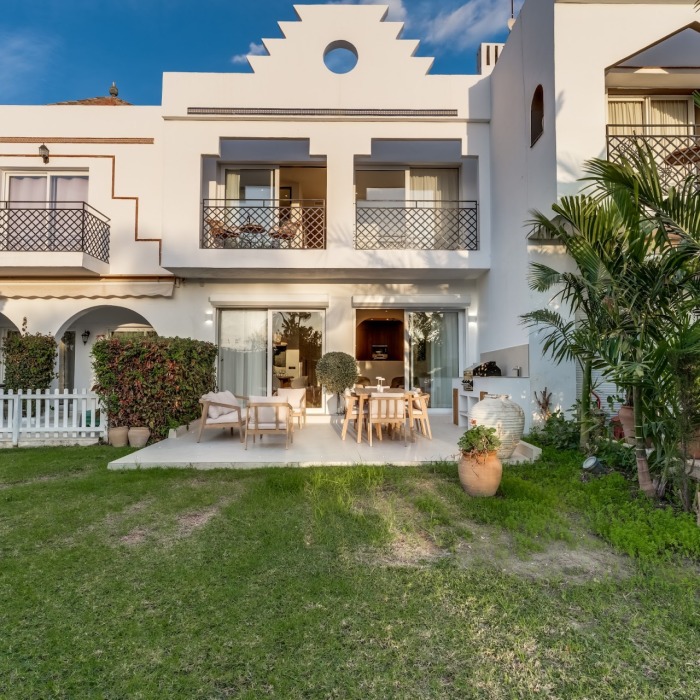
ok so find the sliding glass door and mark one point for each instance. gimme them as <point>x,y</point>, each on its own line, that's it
<point>262,350</point>
<point>433,338</point>
<point>243,351</point>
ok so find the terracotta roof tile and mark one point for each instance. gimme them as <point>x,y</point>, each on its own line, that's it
<point>107,101</point>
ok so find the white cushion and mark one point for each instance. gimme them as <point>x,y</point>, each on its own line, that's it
<point>232,417</point>
<point>266,414</point>
<point>292,396</point>
<point>225,397</point>
<point>393,408</point>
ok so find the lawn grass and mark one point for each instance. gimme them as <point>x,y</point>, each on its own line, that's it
<point>339,582</point>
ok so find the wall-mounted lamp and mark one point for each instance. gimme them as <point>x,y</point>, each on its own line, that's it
<point>44,153</point>
<point>85,335</point>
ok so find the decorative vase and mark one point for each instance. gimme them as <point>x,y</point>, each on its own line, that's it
<point>499,412</point>
<point>626,415</point>
<point>138,437</point>
<point>480,476</point>
<point>118,437</point>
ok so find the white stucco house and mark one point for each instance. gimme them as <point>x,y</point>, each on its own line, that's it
<point>366,206</point>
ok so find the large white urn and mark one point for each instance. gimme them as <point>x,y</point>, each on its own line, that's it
<point>499,412</point>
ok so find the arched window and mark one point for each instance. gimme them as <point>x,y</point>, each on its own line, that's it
<point>536,115</point>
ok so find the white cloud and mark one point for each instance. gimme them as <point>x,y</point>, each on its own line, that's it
<point>468,24</point>
<point>23,59</point>
<point>253,50</point>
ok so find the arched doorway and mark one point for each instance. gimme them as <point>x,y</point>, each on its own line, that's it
<point>77,335</point>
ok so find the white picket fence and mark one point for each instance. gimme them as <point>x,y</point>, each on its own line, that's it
<point>50,418</point>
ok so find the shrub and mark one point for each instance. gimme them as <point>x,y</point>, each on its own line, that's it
<point>29,359</point>
<point>478,441</point>
<point>337,371</point>
<point>559,432</point>
<point>152,381</point>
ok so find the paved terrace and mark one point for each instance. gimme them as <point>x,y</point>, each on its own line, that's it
<point>318,443</point>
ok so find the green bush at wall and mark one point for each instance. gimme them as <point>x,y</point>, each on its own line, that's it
<point>154,382</point>
<point>29,360</point>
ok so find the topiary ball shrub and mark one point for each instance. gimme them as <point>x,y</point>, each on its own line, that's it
<point>337,371</point>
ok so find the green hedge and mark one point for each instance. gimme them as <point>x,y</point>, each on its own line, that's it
<point>29,360</point>
<point>154,382</point>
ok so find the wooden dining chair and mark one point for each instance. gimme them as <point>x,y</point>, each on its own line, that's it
<point>418,413</point>
<point>352,412</point>
<point>387,409</point>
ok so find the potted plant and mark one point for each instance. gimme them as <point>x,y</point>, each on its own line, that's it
<point>337,371</point>
<point>480,470</point>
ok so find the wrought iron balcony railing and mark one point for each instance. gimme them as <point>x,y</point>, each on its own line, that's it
<point>262,223</point>
<point>676,148</point>
<point>64,227</point>
<point>416,225</point>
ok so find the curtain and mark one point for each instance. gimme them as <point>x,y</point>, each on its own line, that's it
<point>66,191</point>
<point>25,189</point>
<point>668,117</point>
<point>28,231</point>
<point>443,358</point>
<point>434,222</point>
<point>233,186</point>
<point>435,185</point>
<point>625,113</point>
<point>243,352</point>
<point>434,354</point>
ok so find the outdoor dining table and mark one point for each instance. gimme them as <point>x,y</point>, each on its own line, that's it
<point>363,394</point>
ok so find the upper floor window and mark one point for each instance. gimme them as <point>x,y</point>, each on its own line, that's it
<point>667,115</point>
<point>536,115</point>
<point>37,191</point>
<point>434,186</point>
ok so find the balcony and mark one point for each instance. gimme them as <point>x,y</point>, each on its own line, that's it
<point>417,225</point>
<point>76,235</point>
<point>250,224</point>
<point>676,148</point>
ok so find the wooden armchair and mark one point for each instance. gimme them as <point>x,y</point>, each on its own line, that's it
<point>268,416</point>
<point>220,410</point>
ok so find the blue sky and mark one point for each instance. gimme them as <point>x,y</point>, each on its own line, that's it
<point>53,50</point>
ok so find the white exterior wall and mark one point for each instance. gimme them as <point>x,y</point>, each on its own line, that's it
<point>152,187</point>
<point>565,47</point>
<point>523,179</point>
<point>123,177</point>
<point>589,38</point>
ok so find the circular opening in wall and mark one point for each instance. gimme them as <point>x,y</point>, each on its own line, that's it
<point>340,57</point>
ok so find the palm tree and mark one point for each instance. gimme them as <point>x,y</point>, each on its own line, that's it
<point>583,226</point>
<point>656,290</point>
<point>636,249</point>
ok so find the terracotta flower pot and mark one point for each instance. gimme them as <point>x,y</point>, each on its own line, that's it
<point>480,476</point>
<point>138,437</point>
<point>118,437</point>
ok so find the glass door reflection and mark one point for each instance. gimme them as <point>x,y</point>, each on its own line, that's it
<point>297,346</point>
